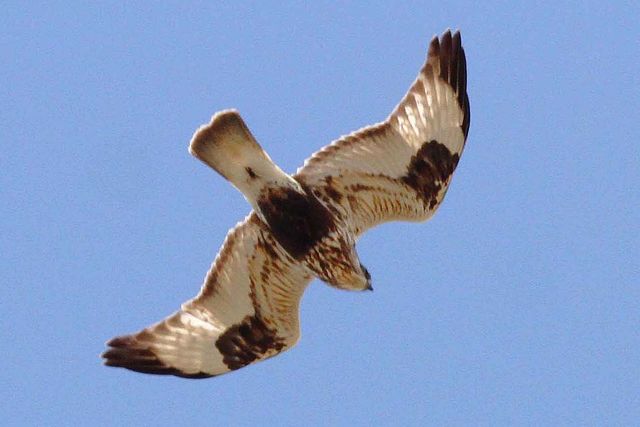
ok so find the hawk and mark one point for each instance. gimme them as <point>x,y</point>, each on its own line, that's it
<point>305,226</point>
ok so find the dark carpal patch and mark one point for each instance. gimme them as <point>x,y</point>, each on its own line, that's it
<point>429,170</point>
<point>246,342</point>
<point>297,221</point>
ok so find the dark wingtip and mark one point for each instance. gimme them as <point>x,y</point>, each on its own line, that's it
<point>123,341</point>
<point>126,352</point>
<point>449,54</point>
<point>434,47</point>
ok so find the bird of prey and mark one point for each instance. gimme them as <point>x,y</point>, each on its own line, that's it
<point>305,226</point>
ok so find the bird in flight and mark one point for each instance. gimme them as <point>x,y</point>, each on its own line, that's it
<point>305,226</point>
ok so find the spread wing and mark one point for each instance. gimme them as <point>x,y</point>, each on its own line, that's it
<point>400,169</point>
<point>247,311</point>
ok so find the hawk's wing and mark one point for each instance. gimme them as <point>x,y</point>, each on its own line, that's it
<point>400,169</point>
<point>247,310</point>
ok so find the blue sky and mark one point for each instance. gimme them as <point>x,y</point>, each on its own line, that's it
<point>519,303</point>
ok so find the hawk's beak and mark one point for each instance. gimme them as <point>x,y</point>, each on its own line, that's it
<point>368,277</point>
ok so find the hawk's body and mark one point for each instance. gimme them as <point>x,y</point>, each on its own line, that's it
<point>305,226</point>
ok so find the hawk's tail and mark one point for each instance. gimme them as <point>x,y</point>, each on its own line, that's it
<point>227,145</point>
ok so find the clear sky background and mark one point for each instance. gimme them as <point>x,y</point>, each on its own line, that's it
<point>519,303</point>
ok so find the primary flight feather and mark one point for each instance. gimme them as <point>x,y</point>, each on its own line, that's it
<point>305,225</point>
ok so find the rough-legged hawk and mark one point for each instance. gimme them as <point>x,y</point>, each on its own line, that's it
<point>305,225</point>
